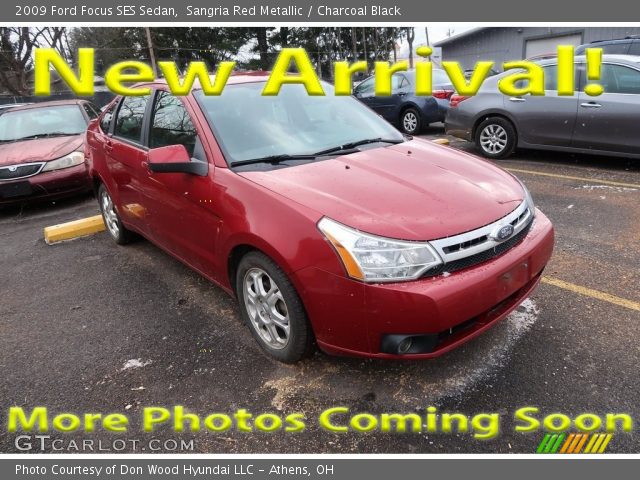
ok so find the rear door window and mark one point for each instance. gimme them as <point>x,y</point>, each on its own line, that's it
<point>618,79</point>
<point>130,117</point>
<point>550,77</point>
<point>365,87</point>
<point>398,82</point>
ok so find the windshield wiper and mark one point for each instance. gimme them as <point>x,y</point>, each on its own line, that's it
<point>45,135</point>
<point>273,159</point>
<point>352,145</point>
<point>346,148</point>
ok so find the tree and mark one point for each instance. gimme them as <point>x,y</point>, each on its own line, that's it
<point>178,44</point>
<point>262,47</point>
<point>411,35</point>
<point>17,46</point>
<point>111,44</point>
<point>186,44</point>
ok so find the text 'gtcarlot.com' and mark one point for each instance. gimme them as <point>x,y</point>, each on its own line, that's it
<point>42,443</point>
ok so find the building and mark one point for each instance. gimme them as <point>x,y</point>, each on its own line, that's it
<point>503,44</point>
<point>436,56</point>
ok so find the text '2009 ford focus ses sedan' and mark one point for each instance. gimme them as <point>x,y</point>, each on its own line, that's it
<point>329,226</point>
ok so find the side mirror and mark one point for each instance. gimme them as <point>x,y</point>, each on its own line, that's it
<point>175,159</point>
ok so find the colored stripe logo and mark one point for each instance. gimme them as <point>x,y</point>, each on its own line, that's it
<point>574,443</point>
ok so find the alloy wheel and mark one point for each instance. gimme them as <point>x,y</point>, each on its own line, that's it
<point>109,214</point>
<point>410,122</point>
<point>493,139</point>
<point>267,308</point>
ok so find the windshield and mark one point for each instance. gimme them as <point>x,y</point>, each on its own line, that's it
<point>249,125</point>
<point>41,122</point>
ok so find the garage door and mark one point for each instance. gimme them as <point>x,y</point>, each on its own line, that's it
<point>541,46</point>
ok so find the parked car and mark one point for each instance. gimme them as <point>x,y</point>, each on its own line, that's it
<point>41,150</point>
<point>620,46</point>
<point>403,107</point>
<point>469,73</point>
<point>327,224</point>
<point>606,124</point>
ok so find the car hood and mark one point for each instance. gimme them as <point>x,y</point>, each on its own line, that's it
<point>416,190</point>
<point>38,150</point>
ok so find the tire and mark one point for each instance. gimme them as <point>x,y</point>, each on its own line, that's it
<point>410,121</point>
<point>112,222</point>
<point>272,309</point>
<point>496,137</point>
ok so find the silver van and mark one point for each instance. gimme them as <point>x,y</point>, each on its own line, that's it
<point>607,124</point>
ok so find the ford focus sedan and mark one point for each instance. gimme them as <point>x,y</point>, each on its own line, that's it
<point>330,227</point>
<point>41,150</point>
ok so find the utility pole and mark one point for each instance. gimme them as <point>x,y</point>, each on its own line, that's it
<point>152,54</point>
<point>426,33</point>
<point>364,43</point>
<point>354,44</point>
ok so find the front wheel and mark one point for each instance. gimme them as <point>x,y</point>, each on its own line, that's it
<point>112,221</point>
<point>410,121</point>
<point>496,137</point>
<point>272,309</point>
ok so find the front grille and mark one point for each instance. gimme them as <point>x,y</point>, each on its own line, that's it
<point>480,245</point>
<point>14,172</point>
<point>481,257</point>
<point>464,245</point>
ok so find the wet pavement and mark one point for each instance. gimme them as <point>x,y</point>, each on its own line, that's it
<point>88,326</point>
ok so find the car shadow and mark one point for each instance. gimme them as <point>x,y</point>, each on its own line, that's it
<point>577,159</point>
<point>36,208</point>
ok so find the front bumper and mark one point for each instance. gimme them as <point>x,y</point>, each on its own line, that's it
<point>46,186</point>
<point>353,318</point>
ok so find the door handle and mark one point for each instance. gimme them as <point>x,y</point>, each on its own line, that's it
<point>590,105</point>
<point>517,99</point>
<point>401,94</point>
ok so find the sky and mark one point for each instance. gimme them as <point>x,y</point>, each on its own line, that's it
<point>437,32</point>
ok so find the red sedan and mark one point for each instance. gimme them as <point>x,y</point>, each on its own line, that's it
<point>41,150</point>
<point>329,226</point>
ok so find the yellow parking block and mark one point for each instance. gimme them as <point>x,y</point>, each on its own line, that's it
<point>77,228</point>
<point>441,141</point>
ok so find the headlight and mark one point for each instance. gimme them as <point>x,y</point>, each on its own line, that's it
<point>71,160</point>
<point>529,199</point>
<point>377,259</point>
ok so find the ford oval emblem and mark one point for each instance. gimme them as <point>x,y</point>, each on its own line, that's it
<point>502,233</point>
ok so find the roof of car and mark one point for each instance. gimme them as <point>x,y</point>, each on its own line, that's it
<point>52,103</point>
<point>617,40</point>
<point>626,58</point>
<point>632,59</point>
<point>235,78</point>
